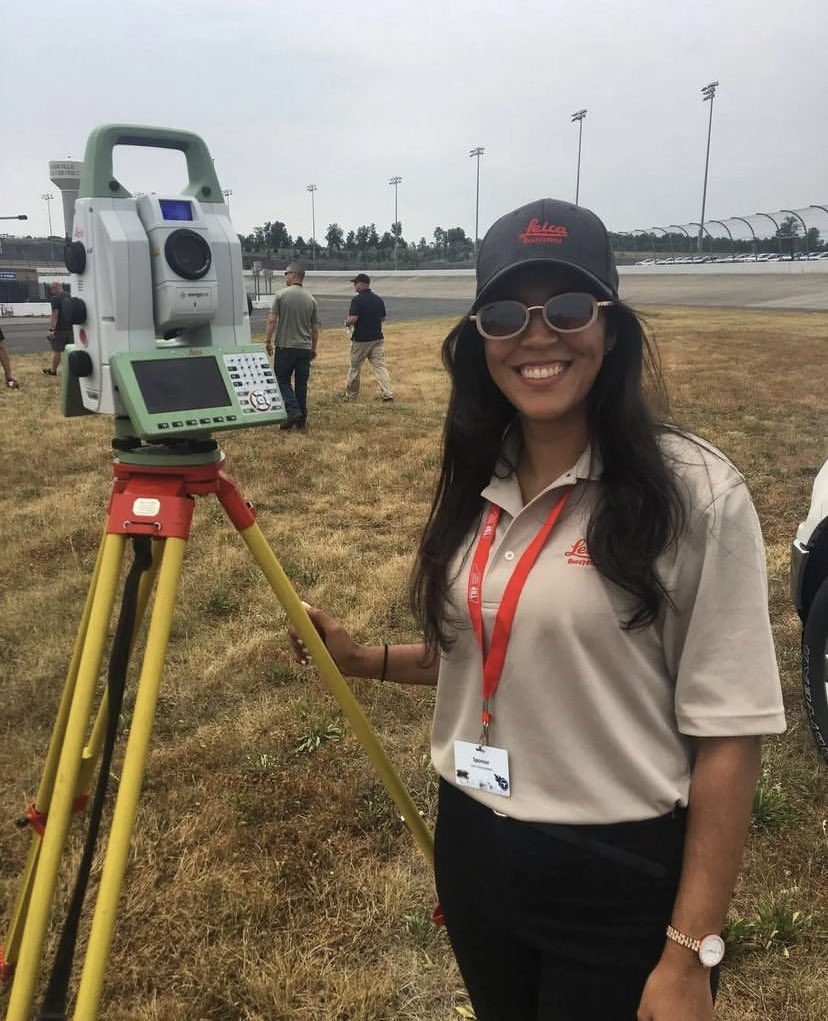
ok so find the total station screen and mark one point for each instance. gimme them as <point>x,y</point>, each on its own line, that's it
<point>181,384</point>
<point>176,209</point>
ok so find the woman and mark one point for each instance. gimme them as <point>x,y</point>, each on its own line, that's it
<point>592,591</point>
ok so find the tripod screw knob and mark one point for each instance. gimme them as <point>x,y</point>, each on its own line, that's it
<point>80,364</point>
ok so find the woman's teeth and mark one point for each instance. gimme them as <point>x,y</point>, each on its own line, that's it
<point>541,371</point>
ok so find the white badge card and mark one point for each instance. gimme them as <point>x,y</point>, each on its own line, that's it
<point>482,767</point>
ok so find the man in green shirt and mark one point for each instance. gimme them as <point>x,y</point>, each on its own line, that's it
<point>294,318</point>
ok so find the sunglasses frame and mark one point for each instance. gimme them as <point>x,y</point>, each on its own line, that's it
<point>529,309</point>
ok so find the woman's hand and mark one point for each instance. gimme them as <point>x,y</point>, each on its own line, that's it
<point>345,652</point>
<point>677,993</point>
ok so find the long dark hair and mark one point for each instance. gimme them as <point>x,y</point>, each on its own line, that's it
<point>639,512</point>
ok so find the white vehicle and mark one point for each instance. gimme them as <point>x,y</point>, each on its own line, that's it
<point>809,592</point>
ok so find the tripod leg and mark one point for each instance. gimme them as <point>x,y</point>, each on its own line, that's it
<point>285,593</point>
<point>44,877</point>
<point>89,757</point>
<point>132,773</point>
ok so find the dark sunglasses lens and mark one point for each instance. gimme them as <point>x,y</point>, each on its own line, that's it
<point>502,318</point>
<point>570,311</point>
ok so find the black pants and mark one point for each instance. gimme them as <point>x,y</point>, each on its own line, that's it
<point>293,362</point>
<point>554,923</point>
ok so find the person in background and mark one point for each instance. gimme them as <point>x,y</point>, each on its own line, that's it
<point>11,382</point>
<point>365,318</point>
<point>591,585</point>
<point>60,329</point>
<point>294,319</point>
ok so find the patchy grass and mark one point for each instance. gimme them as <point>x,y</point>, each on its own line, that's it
<point>270,876</point>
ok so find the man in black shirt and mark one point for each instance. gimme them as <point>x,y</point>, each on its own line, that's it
<point>60,328</point>
<point>365,316</point>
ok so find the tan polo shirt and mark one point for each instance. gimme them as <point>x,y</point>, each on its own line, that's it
<point>596,719</point>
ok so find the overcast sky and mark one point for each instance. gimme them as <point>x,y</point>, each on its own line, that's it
<point>347,94</point>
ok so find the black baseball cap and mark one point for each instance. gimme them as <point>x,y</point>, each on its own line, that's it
<point>361,278</point>
<point>547,231</point>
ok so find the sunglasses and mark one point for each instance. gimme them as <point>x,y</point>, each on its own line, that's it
<point>565,313</point>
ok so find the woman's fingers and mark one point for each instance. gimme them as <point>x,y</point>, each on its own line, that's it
<point>300,650</point>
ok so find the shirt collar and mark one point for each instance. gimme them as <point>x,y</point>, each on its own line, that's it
<point>503,489</point>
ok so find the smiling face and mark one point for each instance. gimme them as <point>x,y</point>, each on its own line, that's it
<point>546,375</point>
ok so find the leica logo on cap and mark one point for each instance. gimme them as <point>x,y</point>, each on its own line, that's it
<point>537,232</point>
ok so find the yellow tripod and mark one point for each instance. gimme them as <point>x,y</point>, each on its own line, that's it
<point>153,496</point>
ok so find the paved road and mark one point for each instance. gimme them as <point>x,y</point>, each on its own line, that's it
<point>28,335</point>
<point>807,292</point>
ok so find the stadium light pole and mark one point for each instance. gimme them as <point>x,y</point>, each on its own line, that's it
<point>227,193</point>
<point>749,227</point>
<point>686,234</point>
<point>312,188</point>
<point>579,117</point>
<point>814,205</point>
<point>47,198</point>
<point>804,228</point>
<point>721,223</point>
<point>708,93</point>
<point>778,238</point>
<point>693,223</point>
<point>395,181</point>
<point>477,152</point>
<point>669,241</point>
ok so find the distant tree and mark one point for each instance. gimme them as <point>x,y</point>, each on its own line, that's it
<point>350,241</point>
<point>788,228</point>
<point>373,237</point>
<point>334,237</point>
<point>460,246</point>
<point>440,239</point>
<point>274,235</point>
<point>814,240</point>
<point>300,245</point>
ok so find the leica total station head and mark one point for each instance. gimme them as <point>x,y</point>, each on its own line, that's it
<point>158,303</point>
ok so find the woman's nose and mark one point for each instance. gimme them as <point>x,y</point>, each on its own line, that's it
<point>537,329</point>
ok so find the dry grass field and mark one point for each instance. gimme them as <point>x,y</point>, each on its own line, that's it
<point>270,878</point>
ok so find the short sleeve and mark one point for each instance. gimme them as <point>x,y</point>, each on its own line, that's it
<point>717,641</point>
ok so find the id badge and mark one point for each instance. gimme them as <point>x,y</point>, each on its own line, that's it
<point>483,767</point>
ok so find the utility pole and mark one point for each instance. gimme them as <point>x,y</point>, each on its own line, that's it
<point>579,117</point>
<point>47,198</point>
<point>395,181</point>
<point>312,188</point>
<point>477,152</point>
<point>708,92</point>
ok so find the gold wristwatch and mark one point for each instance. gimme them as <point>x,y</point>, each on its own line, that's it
<point>710,949</point>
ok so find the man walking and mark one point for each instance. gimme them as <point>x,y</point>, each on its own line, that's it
<point>295,320</point>
<point>60,328</point>
<point>366,315</point>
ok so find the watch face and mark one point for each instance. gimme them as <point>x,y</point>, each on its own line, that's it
<point>711,951</point>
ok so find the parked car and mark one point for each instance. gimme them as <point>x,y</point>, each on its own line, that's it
<point>809,593</point>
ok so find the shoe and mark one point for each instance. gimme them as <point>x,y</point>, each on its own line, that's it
<point>49,372</point>
<point>12,384</point>
<point>291,422</point>
<point>387,398</point>
<point>301,424</point>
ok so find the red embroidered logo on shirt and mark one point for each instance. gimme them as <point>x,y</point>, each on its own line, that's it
<point>578,554</point>
<point>536,232</point>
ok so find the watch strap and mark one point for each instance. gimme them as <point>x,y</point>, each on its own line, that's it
<point>683,939</point>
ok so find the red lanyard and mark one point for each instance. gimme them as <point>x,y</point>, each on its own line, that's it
<point>494,658</point>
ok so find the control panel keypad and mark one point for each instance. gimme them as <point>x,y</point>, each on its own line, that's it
<point>253,382</point>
